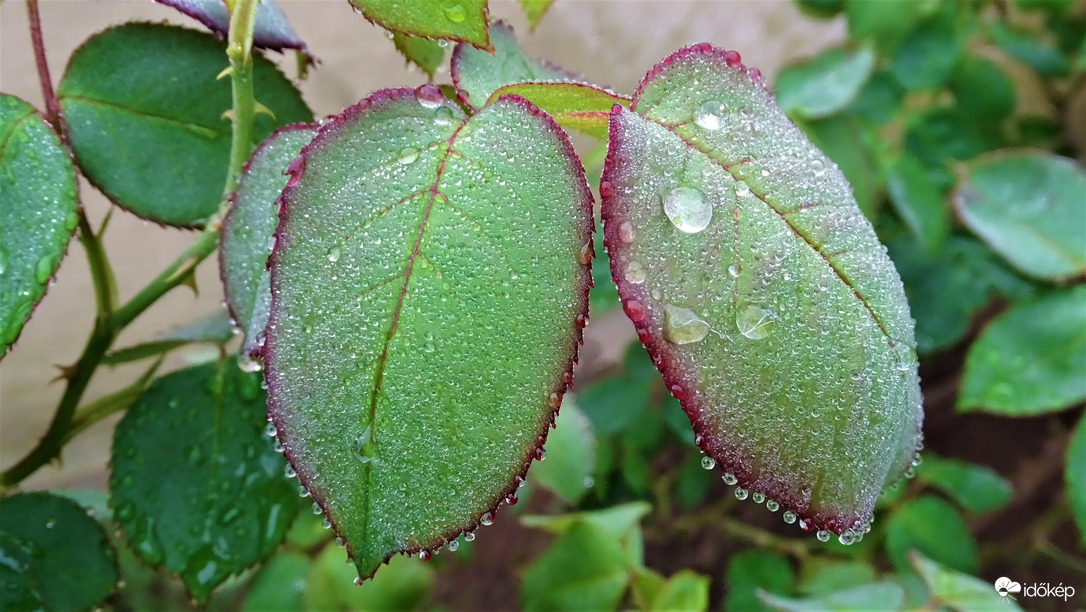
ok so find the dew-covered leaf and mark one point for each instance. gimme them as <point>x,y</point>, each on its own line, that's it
<point>977,488</point>
<point>884,595</point>
<point>1028,206</point>
<point>752,571</point>
<point>1030,359</point>
<point>152,89</point>
<point>422,52</point>
<point>575,106</point>
<point>918,201</point>
<point>571,455</point>
<point>760,291</point>
<point>226,503</point>
<point>479,73</point>
<point>271,30</point>
<point>1075,476</point>
<point>961,592</point>
<point>932,526</point>
<point>462,20</point>
<point>584,569</point>
<point>38,212</point>
<point>247,230</point>
<point>826,83</point>
<point>430,281</point>
<point>53,556</point>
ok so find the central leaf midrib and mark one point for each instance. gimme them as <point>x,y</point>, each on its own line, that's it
<point>145,114</point>
<point>817,249</point>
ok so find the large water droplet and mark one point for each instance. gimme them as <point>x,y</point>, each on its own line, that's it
<point>682,326</point>
<point>734,270</point>
<point>789,516</point>
<point>626,232</point>
<point>710,115</point>
<point>754,322</point>
<point>334,253</point>
<point>823,536</point>
<point>444,116</point>
<point>429,96</point>
<point>455,13</point>
<point>740,493</point>
<point>364,447</point>
<point>408,155</point>
<point>708,463</point>
<point>818,167</point>
<point>635,273</point>
<point>729,478</point>
<point>44,269</point>
<point>688,209</point>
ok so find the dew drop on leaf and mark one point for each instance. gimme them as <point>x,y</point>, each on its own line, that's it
<point>710,115</point>
<point>408,155</point>
<point>455,13</point>
<point>682,326</point>
<point>444,116</point>
<point>789,516</point>
<point>635,273</point>
<point>708,463</point>
<point>730,479</point>
<point>740,493</point>
<point>688,209</point>
<point>754,322</point>
<point>364,447</point>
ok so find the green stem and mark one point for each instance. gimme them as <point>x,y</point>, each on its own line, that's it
<point>105,287</point>
<point>114,402</point>
<point>106,328</point>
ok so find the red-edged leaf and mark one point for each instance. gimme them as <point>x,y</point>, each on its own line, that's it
<point>576,106</point>
<point>429,285</point>
<point>270,31</point>
<point>761,292</point>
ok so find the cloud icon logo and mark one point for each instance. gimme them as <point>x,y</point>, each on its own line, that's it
<point>1005,586</point>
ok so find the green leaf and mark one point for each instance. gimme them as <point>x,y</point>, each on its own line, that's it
<point>1075,476</point>
<point>848,142</point>
<point>1028,207</point>
<point>38,212</point>
<point>479,73</point>
<point>1030,359</point>
<point>247,229</point>
<point>1029,49</point>
<point>584,569</point>
<point>821,577</point>
<point>883,23</point>
<point>930,52</point>
<point>752,571</point>
<point>574,106</point>
<point>151,88</point>
<point>571,454</point>
<point>271,30</point>
<point>462,20</point>
<point>760,291</point>
<point>826,83</point>
<point>884,595</point>
<point>426,54</point>
<point>645,586</point>
<point>603,296</point>
<point>977,488</point>
<point>918,201</point>
<point>613,404</point>
<point>983,90</point>
<point>419,256</point>
<point>692,482</point>
<point>617,521</point>
<point>53,556</point>
<point>333,585</point>
<point>932,526</point>
<point>686,591</point>
<point>822,9</point>
<point>534,9</point>
<point>958,591</point>
<point>974,271</point>
<point>880,99</point>
<point>226,504</point>
<point>213,329</point>
<point>279,584</point>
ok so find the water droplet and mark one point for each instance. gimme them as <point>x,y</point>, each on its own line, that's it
<point>688,209</point>
<point>818,167</point>
<point>270,430</point>
<point>729,479</point>
<point>740,493</point>
<point>848,538</point>
<point>44,269</point>
<point>734,270</point>
<point>771,505</point>
<point>340,542</point>
<point>754,322</point>
<point>429,96</point>
<point>635,273</point>
<point>710,115</point>
<point>444,116</point>
<point>789,517</point>
<point>626,232</point>
<point>408,155</point>
<point>757,497</point>
<point>708,463</point>
<point>487,519</point>
<point>455,13</point>
<point>317,508</point>
<point>742,188</point>
<point>3,259</point>
<point>364,447</point>
<point>806,524</point>
<point>326,523</point>
<point>424,555</point>
<point>334,253</point>
<point>682,326</point>
<point>302,491</point>
<point>585,255</point>
<point>357,581</point>
<point>635,310</point>
<point>469,537</point>
<point>288,471</point>
<point>823,536</point>
<point>453,545</point>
